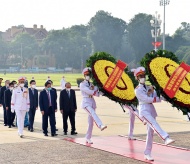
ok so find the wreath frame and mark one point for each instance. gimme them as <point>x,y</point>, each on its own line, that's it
<point>95,80</point>
<point>145,62</point>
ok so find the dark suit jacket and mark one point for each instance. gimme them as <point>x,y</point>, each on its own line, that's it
<point>33,98</point>
<point>2,94</point>
<point>66,103</point>
<point>44,102</point>
<point>7,98</point>
<point>55,92</point>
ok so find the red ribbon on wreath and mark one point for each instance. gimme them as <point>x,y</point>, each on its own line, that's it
<point>176,79</point>
<point>115,76</point>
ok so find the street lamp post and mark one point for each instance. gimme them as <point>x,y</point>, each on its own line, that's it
<point>155,23</point>
<point>82,64</point>
<point>164,3</point>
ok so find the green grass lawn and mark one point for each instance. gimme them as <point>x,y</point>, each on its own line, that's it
<point>41,78</point>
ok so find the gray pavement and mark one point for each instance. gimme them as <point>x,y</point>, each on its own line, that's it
<point>36,148</point>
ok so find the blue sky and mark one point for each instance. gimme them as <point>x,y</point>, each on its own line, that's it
<point>56,14</point>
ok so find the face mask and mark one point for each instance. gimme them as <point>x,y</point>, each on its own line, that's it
<point>15,85</point>
<point>49,89</point>
<point>22,85</point>
<point>11,88</point>
<point>87,78</point>
<point>142,80</point>
<point>7,85</point>
<point>48,78</point>
<point>34,86</point>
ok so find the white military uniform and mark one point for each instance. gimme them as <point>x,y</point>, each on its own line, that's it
<point>132,113</point>
<point>89,105</point>
<point>63,82</point>
<point>148,113</point>
<point>20,103</point>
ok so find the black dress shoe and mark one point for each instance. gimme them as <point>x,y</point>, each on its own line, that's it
<point>65,133</point>
<point>31,130</point>
<point>74,133</point>
<point>9,126</point>
<point>54,134</point>
<point>13,125</point>
<point>5,124</point>
<point>45,134</point>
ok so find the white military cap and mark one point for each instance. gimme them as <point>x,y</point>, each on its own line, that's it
<point>21,78</point>
<point>138,71</point>
<point>86,71</point>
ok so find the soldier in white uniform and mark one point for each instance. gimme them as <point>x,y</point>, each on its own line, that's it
<point>89,104</point>
<point>62,83</point>
<point>146,96</point>
<point>133,111</point>
<point>20,103</point>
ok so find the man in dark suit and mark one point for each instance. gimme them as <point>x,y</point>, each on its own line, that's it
<point>2,100</point>
<point>54,89</point>
<point>48,107</point>
<point>1,79</point>
<point>68,107</point>
<point>7,102</point>
<point>33,94</point>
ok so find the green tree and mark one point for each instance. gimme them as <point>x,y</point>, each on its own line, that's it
<point>106,33</point>
<point>139,35</point>
<point>24,46</point>
<point>4,52</point>
<point>70,46</point>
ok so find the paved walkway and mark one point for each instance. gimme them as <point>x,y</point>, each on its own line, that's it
<point>36,148</point>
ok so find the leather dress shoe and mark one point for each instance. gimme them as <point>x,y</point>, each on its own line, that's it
<point>9,126</point>
<point>102,127</point>
<point>31,130</point>
<point>131,138</point>
<point>13,125</point>
<point>148,157</point>
<point>5,124</point>
<point>65,133</point>
<point>54,134</point>
<point>168,141</point>
<point>74,133</point>
<point>45,134</point>
<point>89,141</point>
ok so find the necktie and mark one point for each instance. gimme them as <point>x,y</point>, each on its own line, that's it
<point>22,89</point>
<point>68,93</point>
<point>89,83</point>
<point>144,86</point>
<point>48,93</point>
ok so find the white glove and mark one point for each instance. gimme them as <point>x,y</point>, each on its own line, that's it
<point>162,98</point>
<point>101,93</point>
<point>12,110</point>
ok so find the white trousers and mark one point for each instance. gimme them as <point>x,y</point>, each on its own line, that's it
<point>92,117</point>
<point>131,123</point>
<point>132,115</point>
<point>152,126</point>
<point>20,120</point>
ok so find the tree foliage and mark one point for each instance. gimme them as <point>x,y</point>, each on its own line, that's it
<point>106,33</point>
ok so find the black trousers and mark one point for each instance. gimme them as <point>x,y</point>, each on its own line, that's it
<point>10,117</point>
<point>51,115</point>
<point>71,115</point>
<point>4,114</point>
<point>31,113</point>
